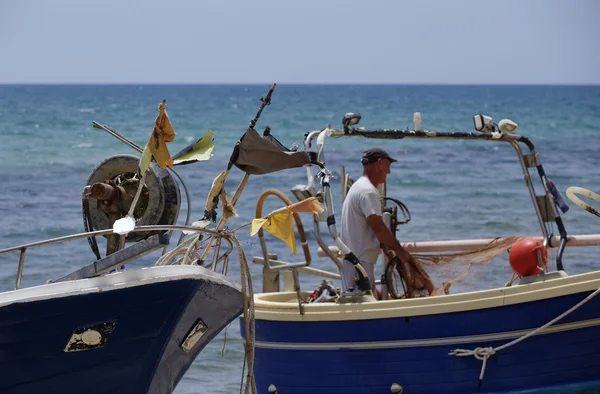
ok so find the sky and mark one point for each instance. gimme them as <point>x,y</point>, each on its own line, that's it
<point>300,41</point>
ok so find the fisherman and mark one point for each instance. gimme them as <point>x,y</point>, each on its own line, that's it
<point>363,229</point>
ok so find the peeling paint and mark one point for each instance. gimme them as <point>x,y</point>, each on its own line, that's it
<point>194,336</point>
<point>90,337</point>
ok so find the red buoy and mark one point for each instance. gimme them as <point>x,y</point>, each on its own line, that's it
<point>528,257</point>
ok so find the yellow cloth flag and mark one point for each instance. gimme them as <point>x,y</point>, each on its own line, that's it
<point>156,147</point>
<point>163,133</point>
<point>145,160</point>
<point>309,205</point>
<point>257,225</point>
<point>279,223</point>
<point>203,149</point>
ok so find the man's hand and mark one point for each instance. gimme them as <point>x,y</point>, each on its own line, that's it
<point>402,254</point>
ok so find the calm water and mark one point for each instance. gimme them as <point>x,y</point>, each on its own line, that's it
<point>454,189</point>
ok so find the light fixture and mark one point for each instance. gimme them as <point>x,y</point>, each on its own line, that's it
<point>483,123</point>
<point>350,119</point>
<point>507,125</point>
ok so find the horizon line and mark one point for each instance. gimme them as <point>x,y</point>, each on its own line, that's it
<point>565,84</point>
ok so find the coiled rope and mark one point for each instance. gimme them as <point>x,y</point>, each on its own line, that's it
<point>483,353</point>
<point>187,248</point>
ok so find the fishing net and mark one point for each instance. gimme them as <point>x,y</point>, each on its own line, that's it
<point>414,278</point>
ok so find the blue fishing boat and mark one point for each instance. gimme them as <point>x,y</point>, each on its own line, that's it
<point>538,334</point>
<point>134,331</point>
<point>111,327</point>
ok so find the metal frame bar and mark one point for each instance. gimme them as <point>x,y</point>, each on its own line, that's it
<point>526,161</point>
<point>23,248</point>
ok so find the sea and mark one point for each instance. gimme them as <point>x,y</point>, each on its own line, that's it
<point>453,189</point>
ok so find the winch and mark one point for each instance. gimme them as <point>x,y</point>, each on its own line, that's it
<point>110,191</point>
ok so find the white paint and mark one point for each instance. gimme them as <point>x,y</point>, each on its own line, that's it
<point>284,306</point>
<point>91,337</point>
<point>116,281</point>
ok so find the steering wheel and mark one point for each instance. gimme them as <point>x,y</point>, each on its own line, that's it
<point>395,277</point>
<point>398,206</point>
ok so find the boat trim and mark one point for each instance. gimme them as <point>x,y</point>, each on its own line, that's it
<point>113,281</point>
<point>425,342</point>
<point>282,306</point>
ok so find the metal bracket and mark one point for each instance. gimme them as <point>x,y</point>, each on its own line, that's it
<point>532,159</point>
<point>547,210</point>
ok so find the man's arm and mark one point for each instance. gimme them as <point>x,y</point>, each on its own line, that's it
<point>385,236</point>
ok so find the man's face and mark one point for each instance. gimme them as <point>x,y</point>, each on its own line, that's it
<point>383,168</point>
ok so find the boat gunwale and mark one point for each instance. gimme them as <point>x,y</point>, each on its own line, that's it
<point>267,308</point>
<point>113,281</point>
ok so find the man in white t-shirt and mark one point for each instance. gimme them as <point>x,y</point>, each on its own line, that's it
<point>362,228</point>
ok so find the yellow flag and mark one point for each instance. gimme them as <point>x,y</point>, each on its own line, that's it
<point>280,225</point>
<point>279,222</point>
<point>156,147</point>
<point>203,149</point>
<point>145,160</point>
<point>309,205</point>
<point>163,133</point>
<point>256,225</point>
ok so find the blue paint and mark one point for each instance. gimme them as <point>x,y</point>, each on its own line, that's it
<point>33,337</point>
<point>543,362</point>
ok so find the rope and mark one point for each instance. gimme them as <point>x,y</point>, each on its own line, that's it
<point>89,227</point>
<point>512,280</point>
<point>249,323</point>
<point>194,247</point>
<point>179,249</point>
<point>189,247</point>
<point>483,353</point>
<point>224,340</point>
<point>243,370</point>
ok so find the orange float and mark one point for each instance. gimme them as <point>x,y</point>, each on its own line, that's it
<point>528,257</point>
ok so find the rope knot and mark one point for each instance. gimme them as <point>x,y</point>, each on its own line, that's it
<point>482,353</point>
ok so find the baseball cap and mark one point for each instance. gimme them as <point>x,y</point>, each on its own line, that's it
<point>372,155</point>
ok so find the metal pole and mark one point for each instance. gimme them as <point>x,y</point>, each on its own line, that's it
<point>529,185</point>
<point>118,136</point>
<point>20,269</point>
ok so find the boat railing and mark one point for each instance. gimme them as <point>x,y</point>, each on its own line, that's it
<point>544,205</point>
<point>271,278</point>
<point>118,258</point>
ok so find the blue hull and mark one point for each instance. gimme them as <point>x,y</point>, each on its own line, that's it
<point>369,355</point>
<point>142,354</point>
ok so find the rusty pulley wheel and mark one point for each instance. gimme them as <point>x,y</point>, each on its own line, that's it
<point>158,204</point>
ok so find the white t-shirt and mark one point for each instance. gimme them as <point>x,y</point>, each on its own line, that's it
<point>362,201</point>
